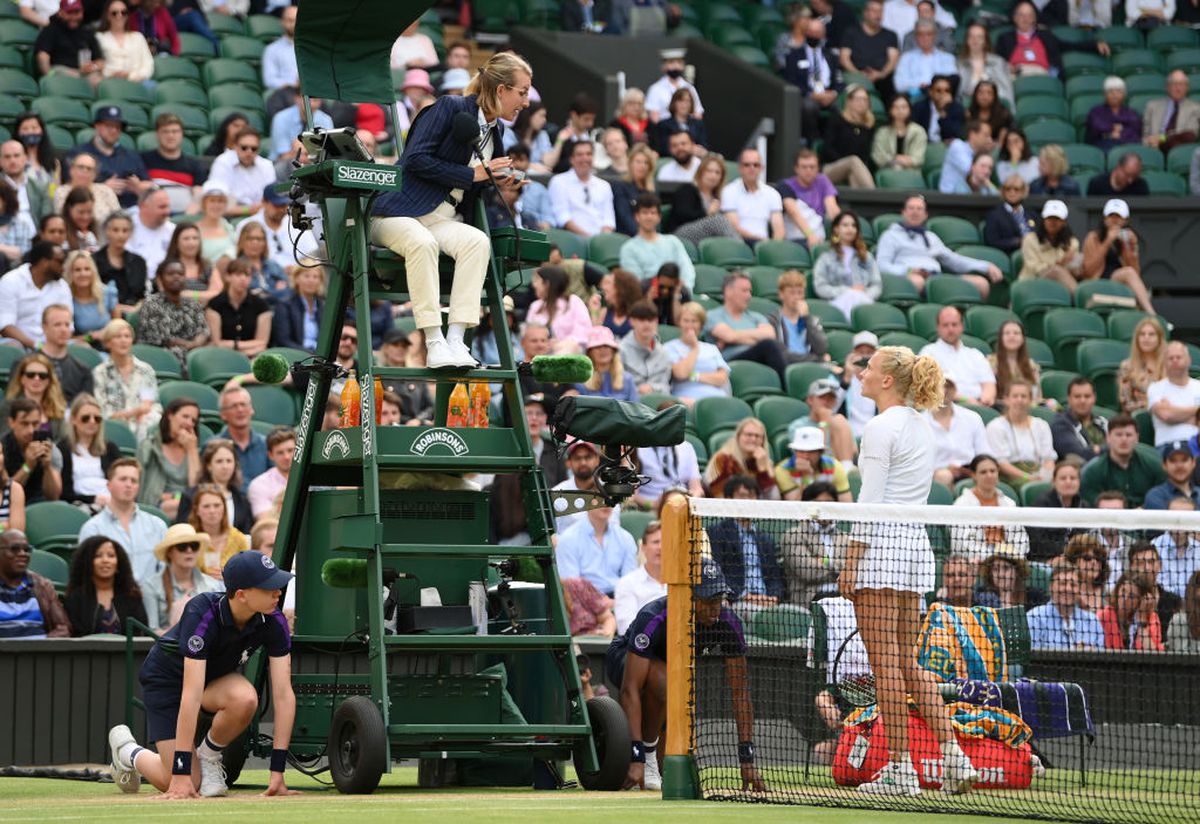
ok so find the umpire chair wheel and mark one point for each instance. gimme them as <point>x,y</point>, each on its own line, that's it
<point>610,732</point>
<point>358,746</point>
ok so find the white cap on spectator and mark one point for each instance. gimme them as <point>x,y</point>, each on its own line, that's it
<point>865,338</point>
<point>214,188</point>
<point>1055,208</point>
<point>1116,206</point>
<point>672,54</point>
<point>1113,82</point>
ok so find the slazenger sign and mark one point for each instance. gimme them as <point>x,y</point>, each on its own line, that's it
<point>445,438</point>
<point>375,177</point>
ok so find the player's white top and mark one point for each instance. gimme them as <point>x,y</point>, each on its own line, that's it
<point>896,458</point>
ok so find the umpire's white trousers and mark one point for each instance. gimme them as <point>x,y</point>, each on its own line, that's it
<point>418,240</point>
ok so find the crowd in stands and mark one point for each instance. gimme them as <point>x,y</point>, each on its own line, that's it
<point>683,277</point>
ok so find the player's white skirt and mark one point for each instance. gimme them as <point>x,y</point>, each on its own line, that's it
<point>898,556</point>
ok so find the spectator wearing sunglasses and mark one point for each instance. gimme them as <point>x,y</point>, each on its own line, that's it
<point>166,593</point>
<point>244,173</point>
<point>87,455</point>
<point>29,607</point>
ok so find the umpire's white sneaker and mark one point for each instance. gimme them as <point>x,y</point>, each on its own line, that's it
<point>124,774</point>
<point>896,778</point>
<point>652,779</point>
<point>212,776</point>
<point>440,354</point>
<point>958,773</point>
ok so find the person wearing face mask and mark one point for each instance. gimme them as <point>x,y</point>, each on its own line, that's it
<point>813,68</point>
<point>658,96</point>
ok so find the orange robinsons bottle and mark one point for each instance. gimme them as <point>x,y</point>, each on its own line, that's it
<point>378,399</point>
<point>459,407</point>
<point>481,396</point>
<point>351,403</point>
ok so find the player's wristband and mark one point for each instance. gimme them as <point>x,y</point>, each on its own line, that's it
<point>181,764</point>
<point>278,760</point>
<point>746,752</point>
<point>639,753</point>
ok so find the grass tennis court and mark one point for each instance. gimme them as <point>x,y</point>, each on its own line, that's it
<point>39,799</point>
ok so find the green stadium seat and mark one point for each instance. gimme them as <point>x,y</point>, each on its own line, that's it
<point>716,414</point>
<point>1076,63</point>
<point>899,292</point>
<point>241,47</point>
<point>1089,85</point>
<point>9,355</point>
<point>195,48</point>
<point>840,341</point>
<point>777,413</point>
<point>1154,84</point>
<point>1054,384</point>
<point>605,249</point>
<point>224,24</point>
<point>1179,159</point>
<point>954,231</point>
<point>1037,85</point>
<point>1165,184</point>
<point>264,27</point>
<point>1122,322</point>
<point>710,280</point>
<point>922,320</point>
<point>900,180</point>
<point>66,85</point>
<point>294,355</point>
<point>86,355</point>
<point>935,155</point>
<point>1137,61</point>
<point>170,67</point>
<point>1087,289</point>
<point>238,96</point>
<point>635,522</point>
<point>148,142</point>
<point>692,249</point>
<point>1080,108</point>
<point>181,91</point>
<point>667,332</point>
<point>1065,328</point>
<point>988,414</point>
<point>570,244</point>
<point>1040,107</point>
<point>784,254</point>
<point>122,436</point>
<point>764,280</point>
<point>1072,36</point>
<point>494,16</point>
<point>272,405</point>
<point>60,135</point>
<point>1082,155</point>
<point>977,343</point>
<point>1031,299</point>
<point>882,222</point>
<point>951,290</point>
<point>751,54</point>
<point>1186,59</point>
<point>10,108</point>
<point>878,318</point>
<point>1049,131</point>
<point>1121,38</point>
<point>985,321</point>
<point>908,339</point>
<point>223,71</point>
<point>992,255</point>
<point>751,381</point>
<point>52,567</point>
<point>726,252</point>
<point>1151,158</point>
<point>214,366</point>
<point>939,496</point>
<point>53,525</point>
<point>1040,353</point>
<point>1031,491</point>
<point>118,88</point>
<point>799,376</point>
<point>66,112</point>
<point>782,624</point>
<point>831,317</point>
<point>1099,360</point>
<point>764,306</point>
<point>18,34</point>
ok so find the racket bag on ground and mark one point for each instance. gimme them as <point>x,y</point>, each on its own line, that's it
<point>1052,709</point>
<point>862,751</point>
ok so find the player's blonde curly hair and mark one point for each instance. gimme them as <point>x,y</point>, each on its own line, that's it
<point>501,69</point>
<point>916,378</point>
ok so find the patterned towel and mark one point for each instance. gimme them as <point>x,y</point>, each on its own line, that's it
<point>957,642</point>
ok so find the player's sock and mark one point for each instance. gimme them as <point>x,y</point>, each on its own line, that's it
<point>433,334</point>
<point>650,746</point>
<point>209,748</point>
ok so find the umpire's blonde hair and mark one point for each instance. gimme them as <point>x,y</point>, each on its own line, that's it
<point>501,69</point>
<point>916,378</point>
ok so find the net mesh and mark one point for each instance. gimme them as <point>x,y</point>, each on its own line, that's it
<point>1091,717</point>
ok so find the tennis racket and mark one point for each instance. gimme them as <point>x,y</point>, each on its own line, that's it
<point>856,690</point>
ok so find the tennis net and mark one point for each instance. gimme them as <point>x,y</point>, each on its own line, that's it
<point>1073,683</point>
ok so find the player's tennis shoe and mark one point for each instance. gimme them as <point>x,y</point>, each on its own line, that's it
<point>652,779</point>
<point>896,778</point>
<point>958,774</point>
<point>123,772</point>
<point>212,776</point>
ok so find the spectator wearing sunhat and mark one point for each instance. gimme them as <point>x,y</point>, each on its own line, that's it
<point>608,375</point>
<point>808,464</point>
<point>121,169</point>
<point>415,89</point>
<point>455,80</point>
<point>165,593</point>
<point>65,46</point>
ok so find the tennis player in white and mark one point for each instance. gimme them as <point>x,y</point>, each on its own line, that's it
<point>890,565</point>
